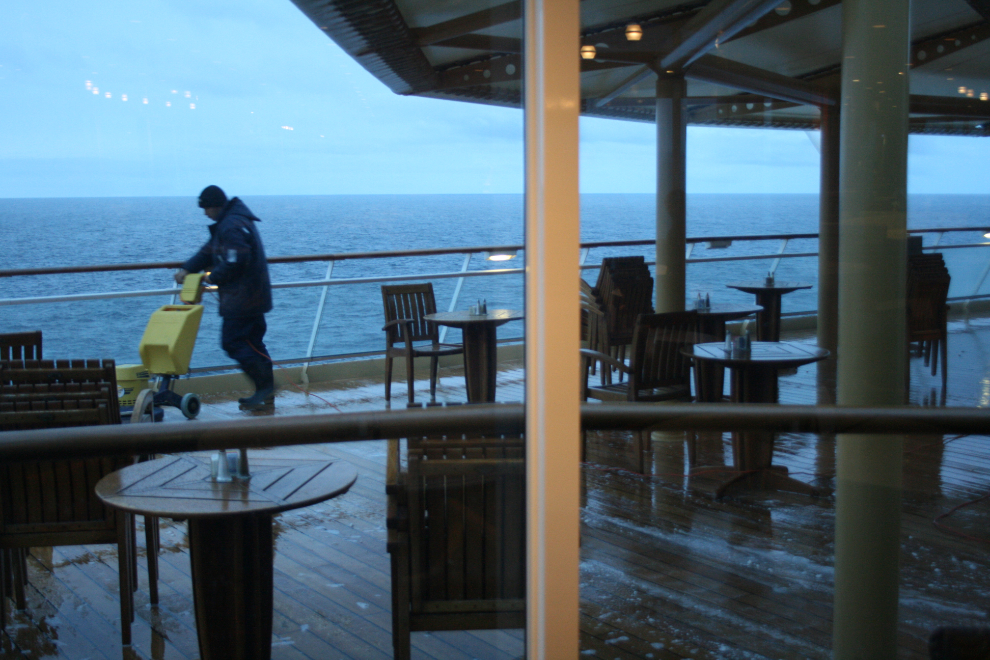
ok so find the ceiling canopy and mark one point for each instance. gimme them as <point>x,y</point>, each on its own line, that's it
<point>755,63</point>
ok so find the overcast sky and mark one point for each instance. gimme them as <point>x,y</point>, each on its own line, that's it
<point>251,95</point>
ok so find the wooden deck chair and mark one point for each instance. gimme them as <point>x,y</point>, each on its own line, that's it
<point>927,316</point>
<point>20,345</point>
<point>66,380</point>
<point>456,530</point>
<point>408,336</point>
<point>53,503</point>
<point>658,370</point>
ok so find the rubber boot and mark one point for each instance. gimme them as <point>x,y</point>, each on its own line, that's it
<point>264,384</point>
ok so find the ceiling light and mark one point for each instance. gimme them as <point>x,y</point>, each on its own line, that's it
<point>588,52</point>
<point>634,32</point>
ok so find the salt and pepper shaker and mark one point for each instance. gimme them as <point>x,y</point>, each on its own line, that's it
<point>728,343</point>
<point>769,281</point>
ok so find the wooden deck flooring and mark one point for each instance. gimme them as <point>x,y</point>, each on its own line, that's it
<point>666,571</point>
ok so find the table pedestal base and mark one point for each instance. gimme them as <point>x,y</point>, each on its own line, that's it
<point>480,362</point>
<point>768,478</point>
<point>231,560</point>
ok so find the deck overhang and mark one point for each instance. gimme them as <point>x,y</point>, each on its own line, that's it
<point>749,63</point>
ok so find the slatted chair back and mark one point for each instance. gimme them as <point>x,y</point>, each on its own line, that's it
<point>612,264</point>
<point>63,374</point>
<point>20,345</point>
<point>631,294</point>
<point>457,537</point>
<point>412,302</point>
<point>54,503</point>
<point>658,361</point>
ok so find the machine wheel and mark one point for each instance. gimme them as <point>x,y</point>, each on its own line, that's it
<point>144,407</point>
<point>190,405</point>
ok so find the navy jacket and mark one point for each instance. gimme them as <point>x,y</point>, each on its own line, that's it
<point>236,260</point>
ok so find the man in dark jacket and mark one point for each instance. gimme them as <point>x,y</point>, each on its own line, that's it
<point>235,259</point>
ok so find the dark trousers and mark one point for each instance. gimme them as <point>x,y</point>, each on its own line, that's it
<point>242,337</point>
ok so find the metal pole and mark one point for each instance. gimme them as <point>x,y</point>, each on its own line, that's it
<point>304,376</point>
<point>671,197</point>
<point>457,294</point>
<point>872,328</point>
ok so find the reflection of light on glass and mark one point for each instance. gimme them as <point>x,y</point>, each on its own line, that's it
<point>96,90</point>
<point>188,95</point>
<point>969,93</point>
<point>288,128</point>
<point>168,104</point>
<point>123,97</point>
<point>175,91</point>
<point>962,89</point>
<point>588,52</point>
<point>108,95</point>
<point>89,84</point>
<point>145,101</point>
<point>634,32</point>
<point>984,393</point>
<point>984,96</point>
<point>192,106</point>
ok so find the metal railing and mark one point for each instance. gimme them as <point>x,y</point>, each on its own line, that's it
<point>487,419</point>
<point>469,253</point>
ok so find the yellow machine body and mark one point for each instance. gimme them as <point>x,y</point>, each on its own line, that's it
<point>167,345</point>
<point>131,379</point>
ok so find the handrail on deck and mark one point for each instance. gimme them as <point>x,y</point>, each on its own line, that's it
<point>426,252</point>
<point>490,419</point>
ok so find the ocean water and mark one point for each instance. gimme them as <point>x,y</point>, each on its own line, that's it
<point>87,231</point>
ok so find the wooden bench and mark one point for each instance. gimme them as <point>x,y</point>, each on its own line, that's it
<point>456,530</point>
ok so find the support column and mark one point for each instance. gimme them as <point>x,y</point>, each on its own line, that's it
<point>872,343</point>
<point>671,202</point>
<point>828,253</point>
<point>553,322</point>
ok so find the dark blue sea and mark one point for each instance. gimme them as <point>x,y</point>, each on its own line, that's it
<point>87,231</point>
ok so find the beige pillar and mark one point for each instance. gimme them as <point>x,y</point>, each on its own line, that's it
<point>828,252</point>
<point>872,345</point>
<point>671,207</point>
<point>552,328</point>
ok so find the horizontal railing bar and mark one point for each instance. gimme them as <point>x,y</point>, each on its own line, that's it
<point>76,297</point>
<point>352,256</point>
<point>488,419</point>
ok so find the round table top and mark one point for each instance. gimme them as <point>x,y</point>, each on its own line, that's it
<point>778,285</point>
<point>181,487</point>
<point>780,354</point>
<point>463,317</point>
<point>730,310</point>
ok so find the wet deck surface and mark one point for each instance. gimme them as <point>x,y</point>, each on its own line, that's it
<point>666,571</point>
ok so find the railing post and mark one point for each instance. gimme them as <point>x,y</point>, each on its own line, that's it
<point>304,375</point>
<point>776,262</point>
<point>457,294</point>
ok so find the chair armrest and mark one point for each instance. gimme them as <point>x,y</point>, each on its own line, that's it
<point>590,355</point>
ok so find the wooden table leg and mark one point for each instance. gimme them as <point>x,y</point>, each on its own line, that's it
<point>231,559</point>
<point>480,361</point>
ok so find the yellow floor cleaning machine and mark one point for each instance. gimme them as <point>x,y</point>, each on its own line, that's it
<point>166,350</point>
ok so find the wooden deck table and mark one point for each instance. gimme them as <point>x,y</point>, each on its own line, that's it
<point>754,380</point>
<point>768,296</point>
<point>709,377</point>
<point>480,352</point>
<point>231,547</point>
